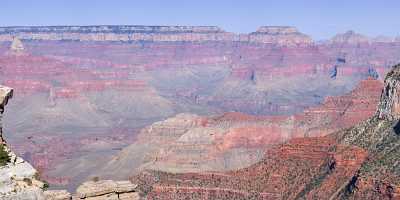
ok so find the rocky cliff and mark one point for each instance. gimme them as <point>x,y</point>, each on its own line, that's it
<point>379,176</point>
<point>283,36</point>
<point>360,162</point>
<point>18,179</point>
<point>192,143</point>
<point>78,103</point>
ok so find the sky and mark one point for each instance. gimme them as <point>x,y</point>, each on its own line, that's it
<point>319,18</point>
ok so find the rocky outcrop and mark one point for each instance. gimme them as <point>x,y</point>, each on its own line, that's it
<point>57,195</point>
<point>281,35</point>
<point>389,106</point>
<point>107,189</point>
<point>360,162</point>
<point>192,143</point>
<point>6,93</point>
<point>16,45</point>
<point>309,168</point>
<point>107,91</point>
<point>18,179</point>
<point>379,176</point>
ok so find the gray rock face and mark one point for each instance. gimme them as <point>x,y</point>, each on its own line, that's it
<point>389,106</point>
<point>6,93</point>
<point>57,195</point>
<point>107,189</point>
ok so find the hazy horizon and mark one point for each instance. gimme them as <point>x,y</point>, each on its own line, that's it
<point>319,19</point>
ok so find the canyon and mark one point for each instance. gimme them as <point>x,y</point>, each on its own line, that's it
<point>360,162</point>
<point>112,101</point>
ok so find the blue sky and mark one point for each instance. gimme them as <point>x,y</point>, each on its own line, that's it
<point>318,18</point>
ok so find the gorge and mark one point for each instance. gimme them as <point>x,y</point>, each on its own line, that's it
<point>181,104</point>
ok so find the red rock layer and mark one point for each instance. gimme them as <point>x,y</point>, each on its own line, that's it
<point>370,188</point>
<point>334,114</point>
<point>311,168</point>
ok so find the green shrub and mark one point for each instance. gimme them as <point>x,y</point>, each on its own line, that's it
<point>46,185</point>
<point>4,157</point>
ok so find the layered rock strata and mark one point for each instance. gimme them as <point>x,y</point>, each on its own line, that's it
<point>192,143</point>
<point>360,162</point>
<point>284,36</point>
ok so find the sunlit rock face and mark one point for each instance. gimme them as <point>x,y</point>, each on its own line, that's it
<point>389,107</point>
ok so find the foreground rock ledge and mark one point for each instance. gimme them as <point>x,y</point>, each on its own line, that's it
<point>107,189</point>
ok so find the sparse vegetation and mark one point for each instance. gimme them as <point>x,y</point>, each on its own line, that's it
<point>46,185</point>
<point>95,179</point>
<point>28,181</point>
<point>4,157</point>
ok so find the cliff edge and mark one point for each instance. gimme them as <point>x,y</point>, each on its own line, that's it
<point>18,179</point>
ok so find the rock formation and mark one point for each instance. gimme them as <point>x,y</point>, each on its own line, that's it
<point>350,37</point>
<point>360,162</point>
<point>282,36</point>
<point>107,189</point>
<point>389,106</point>
<point>5,95</point>
<point>82,94</point>
<point>379,176</point>
<point>192,143</point>
<point>18,179</point>
<point>16,45</point>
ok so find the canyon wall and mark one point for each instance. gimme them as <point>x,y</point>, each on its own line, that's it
<point>275,34</point>
<point>83,95</point>
<point>360,162</point>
